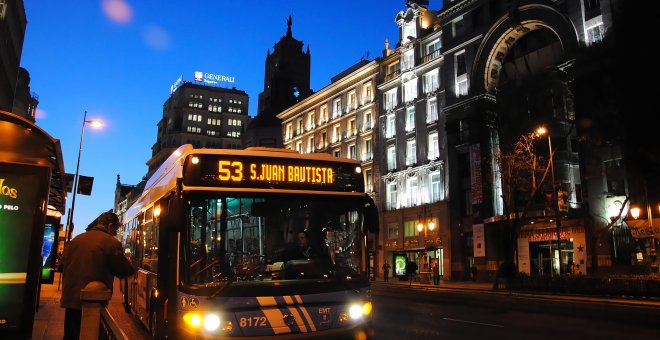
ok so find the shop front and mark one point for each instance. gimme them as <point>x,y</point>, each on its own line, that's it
<point>540,253</point>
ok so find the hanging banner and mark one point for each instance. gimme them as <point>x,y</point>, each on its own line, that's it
<point>478,240</point>
<point>475,174</point>
<point>641,229</point>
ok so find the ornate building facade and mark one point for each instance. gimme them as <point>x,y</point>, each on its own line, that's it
<point>412,147</point>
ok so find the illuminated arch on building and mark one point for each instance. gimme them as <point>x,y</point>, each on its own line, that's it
<point>503,35</point>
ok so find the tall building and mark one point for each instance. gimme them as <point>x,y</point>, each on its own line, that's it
<point>25,101</point>
<point>201,115</point>
<point>508,70</point>
<point>286,81</point>
<point>412,146</point>
<point>339,120</point>
<point>12,31</point>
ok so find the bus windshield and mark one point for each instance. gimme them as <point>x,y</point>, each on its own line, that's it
<point>230,238</point>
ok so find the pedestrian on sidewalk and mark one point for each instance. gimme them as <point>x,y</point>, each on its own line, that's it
<point>95,255</point>
<point>386,271</point>
<point>411,271</point>
<point>436,272</point>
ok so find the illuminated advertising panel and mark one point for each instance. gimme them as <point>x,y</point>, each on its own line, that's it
<point>400,265</point>
<point>272,173</point>
<point>23,195</point>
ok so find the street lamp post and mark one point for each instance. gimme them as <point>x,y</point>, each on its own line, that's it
<point>69,223</point>
<point>635,212</point>
<point>541,131</point>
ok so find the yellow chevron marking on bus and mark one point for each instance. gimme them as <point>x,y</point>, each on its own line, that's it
<point>288,300</point>
<point>274,316</point>
<point>299,320</point>
<point>304,311</point>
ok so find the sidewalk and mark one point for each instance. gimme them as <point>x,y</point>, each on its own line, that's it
<point>49,319</point>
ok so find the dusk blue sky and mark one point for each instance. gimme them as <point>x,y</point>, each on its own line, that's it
<point>117,59</point>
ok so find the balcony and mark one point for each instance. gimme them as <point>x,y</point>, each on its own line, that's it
<point>367,126</point>
<point>430,56</point>
<point>366,157</point>
<point>410,161</point>
<point>392,75</point>
<point>310,126</point>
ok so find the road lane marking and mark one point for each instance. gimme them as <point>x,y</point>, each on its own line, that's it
<point>476,323</point>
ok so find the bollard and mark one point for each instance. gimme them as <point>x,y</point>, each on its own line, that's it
<point>94,297</point>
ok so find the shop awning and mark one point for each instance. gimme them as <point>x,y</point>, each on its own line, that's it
<point>21,141</point>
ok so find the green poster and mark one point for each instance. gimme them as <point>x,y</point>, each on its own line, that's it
<point>22,200</point>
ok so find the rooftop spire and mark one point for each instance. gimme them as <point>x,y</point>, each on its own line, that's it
<point>289,21</point>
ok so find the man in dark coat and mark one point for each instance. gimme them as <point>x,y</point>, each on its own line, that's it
<point>95,255</point>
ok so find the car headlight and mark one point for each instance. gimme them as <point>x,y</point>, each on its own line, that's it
<point>355,312</point>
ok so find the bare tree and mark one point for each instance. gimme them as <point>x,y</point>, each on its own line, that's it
<point>522,174</point>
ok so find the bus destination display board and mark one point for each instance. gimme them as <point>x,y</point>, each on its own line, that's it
<point>269,172</point>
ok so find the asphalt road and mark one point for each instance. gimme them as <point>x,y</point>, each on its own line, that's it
<point>400,318</point>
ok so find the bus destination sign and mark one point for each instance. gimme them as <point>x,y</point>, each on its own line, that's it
<point>265,172</point>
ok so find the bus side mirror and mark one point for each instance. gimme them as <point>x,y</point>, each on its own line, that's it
<point>172,214</point>
<point>370,214</point>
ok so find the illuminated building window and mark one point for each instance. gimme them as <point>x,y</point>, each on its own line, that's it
<point>434,187</point>
<point>392,231</point>
<point>352,151</point>
<point>367,150</point>
<point>390,127</point>
<point>310,121</point>
<point>432,110</point>
<point>391,196</point>
<point>410,118</point>
<point>391,157</point>
<point>410,90</point>
<point>460,67</point>
<point>336,137</point>
<point>408,60</point>
<point>367,94</point>
<point>457,27</point>
<point>352,101</point>
<point>433,46</point>
<point>413,191</point>
<point>336,108</point>
<point>409,30</point>
<point>368,180</point>
<point>431,82</point>
<point>411,152</point>
<point>366,120</point>
<point>410,228</point>
<point>288,134</point>
<point>323,117</point>
<point>434,149</point>
<point>390,99</point>
<point>595,33</point>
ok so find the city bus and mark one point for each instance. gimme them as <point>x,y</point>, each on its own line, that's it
<point>216,233</point>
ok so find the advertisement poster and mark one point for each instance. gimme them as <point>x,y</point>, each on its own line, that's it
<point>49,250</point>
<point>22,210</point>
<point>400,265</point>
<point>478,240</point>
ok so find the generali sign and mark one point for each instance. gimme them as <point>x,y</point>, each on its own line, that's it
<point>211,78</point>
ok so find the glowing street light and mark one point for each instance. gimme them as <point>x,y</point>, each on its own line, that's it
<point>95,123</point>
<point>542,131</point>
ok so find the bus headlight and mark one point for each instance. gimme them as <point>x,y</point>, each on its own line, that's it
<point>355,312</point>
<point>211,322</point>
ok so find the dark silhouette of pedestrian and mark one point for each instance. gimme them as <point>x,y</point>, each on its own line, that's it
<point>436,273</point>
<point>95,255</point>
<point>386,271</point>
<point>411,271</point>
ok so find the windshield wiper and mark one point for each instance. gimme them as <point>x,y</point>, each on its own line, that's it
<point>221,289</point>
